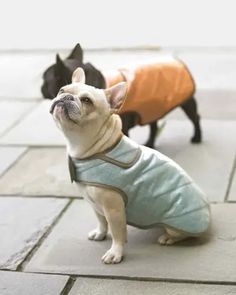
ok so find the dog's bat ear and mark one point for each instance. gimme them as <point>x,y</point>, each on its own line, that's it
<point>60,66</point>
<point>77,53</point>
<point>58,59</point>
<point>78,76</point>
<point>116,95</point>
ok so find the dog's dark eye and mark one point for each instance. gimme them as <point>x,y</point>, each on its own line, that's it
<point>86,100</point>
<point>61,91</point>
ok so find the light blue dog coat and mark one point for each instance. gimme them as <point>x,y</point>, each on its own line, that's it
<point>155,189</point>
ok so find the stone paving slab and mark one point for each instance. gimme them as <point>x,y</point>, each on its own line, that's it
<point>38,128</point>
<point>11,112</point>
<point>22,223</point>
<point>203,64</point>
<point>202,161</point>
<point>8,155</point>
<point>16,283</point>
<point>35,63</point>
<point>45,173</point>
<point>85,286</point>
<point>21,74</point>
<point>217,104</point>
<point>232,192</point>
<point>214,70</point>
<point>210,162</point>
<point>209,258</point>
<point>210,68</point>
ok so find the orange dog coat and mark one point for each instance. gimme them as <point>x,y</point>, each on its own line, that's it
<point>154,89</point>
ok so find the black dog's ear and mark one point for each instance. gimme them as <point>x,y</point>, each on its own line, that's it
<point>60,66</point>
<point>62,72</point>
<point>77,53</point>
<point>59,61</point>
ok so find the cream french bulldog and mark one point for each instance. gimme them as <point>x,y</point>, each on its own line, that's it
<point>124,182</point>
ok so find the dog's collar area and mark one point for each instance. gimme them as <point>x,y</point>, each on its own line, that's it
<point>124,155</point>
<point>72,169</point>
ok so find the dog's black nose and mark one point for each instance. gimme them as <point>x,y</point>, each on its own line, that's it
<point>68,97</point>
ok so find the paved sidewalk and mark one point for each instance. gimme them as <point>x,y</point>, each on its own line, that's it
<point>44,221</point>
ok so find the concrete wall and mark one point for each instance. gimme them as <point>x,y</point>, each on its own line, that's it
<point>49,24</point>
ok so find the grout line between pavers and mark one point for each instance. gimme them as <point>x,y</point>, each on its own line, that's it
<point>40,196</point>
<point>143,279</point>
<point>11,99</point>
<point>28,272</point>
<point>34,249</point>
<point>4,144</point>
<point>68,286</point>
<point>230,182</point>
<point>231,201</point>
<point>165,280</point>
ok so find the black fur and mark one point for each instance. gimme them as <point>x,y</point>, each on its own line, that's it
<point>60,74</point>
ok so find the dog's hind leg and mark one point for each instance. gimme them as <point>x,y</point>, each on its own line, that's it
<point>171,236</point>
<point>152,134</point>
<point>190,109</point>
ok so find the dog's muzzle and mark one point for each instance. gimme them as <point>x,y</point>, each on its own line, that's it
<point>61,101</point>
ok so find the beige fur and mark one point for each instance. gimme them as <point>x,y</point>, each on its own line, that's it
<point>93,127</point>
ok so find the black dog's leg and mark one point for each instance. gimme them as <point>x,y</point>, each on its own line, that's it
<point>190,109</point>
<point>125,130</point>
<point>152,134</point>
<point>128,122</point>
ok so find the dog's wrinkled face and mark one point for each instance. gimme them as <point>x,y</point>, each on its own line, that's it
<point>78,105</point>
<point>59,74</point>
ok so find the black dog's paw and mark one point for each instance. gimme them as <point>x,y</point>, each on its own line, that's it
<point>149,144</point>
<point>196,139</point>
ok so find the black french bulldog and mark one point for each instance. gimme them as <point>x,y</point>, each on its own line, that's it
<point>60,73</point>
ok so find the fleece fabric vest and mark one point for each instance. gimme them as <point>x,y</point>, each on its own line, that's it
<point>154,88</point>
<point>155,189</point>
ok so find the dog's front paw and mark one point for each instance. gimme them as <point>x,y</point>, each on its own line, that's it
<point>96,235</point>
<point>113,255</point>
